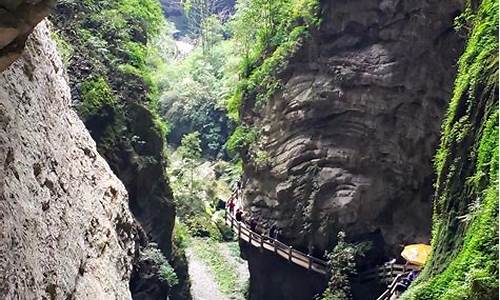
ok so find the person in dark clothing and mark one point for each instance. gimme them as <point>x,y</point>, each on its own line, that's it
<point>310,249</point>
<point>400,287</point>
<point>272,231</point>
<point>253,224</point>
<point>239,215</point>
<point>277,234</point>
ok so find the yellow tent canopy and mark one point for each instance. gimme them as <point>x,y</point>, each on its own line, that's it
<point>416,253</point>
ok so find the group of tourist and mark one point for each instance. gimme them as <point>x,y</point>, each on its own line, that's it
<point>255,224</point>
<point>401,282</point>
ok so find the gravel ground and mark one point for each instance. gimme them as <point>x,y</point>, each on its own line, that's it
<point>203,284</point>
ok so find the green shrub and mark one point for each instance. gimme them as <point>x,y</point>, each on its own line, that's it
<point>219,219</point>
<point>96,94</point>
<point>65,49</point>
<point>167,274</point>
<point>242,137</point>
<point>165,271</point>
<point>342,267</point>
<point>202,226</point>
<point>181,235</point>
<point>137,53</point>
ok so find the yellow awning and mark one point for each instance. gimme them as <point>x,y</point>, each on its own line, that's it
<point>416,253</point>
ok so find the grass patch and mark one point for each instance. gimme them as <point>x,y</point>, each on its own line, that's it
<point>225,276</point>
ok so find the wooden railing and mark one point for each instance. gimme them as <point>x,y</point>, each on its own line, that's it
<point>270,244</point>
<point>386,273</point>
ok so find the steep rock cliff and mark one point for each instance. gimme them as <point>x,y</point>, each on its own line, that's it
<point>113,90</point>
<point>65,228</point>
<point>347,143</point>
<point>464,263</point>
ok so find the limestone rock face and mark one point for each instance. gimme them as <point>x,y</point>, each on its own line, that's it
<point>348,144</point>
<point>65,228</point>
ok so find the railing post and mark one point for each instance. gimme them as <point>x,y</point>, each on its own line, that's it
<point>290,253</point>
<point>250,237</point>
<point>275,248</point>
<point>309,266</point>
<point>391,273</point>
<point>261,242</point>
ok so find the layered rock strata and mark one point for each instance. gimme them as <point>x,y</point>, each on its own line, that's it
<point>347,144</point>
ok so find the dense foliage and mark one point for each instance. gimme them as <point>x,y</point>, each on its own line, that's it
<point>464,262</point>
<point>267,34</point>
<point>160,264</point>
<point>342,261</point>
<point>199,188</point>
<point>113,50</point>
<point>194,100</point>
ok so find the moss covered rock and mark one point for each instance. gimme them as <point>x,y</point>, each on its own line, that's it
<point>464,262</point>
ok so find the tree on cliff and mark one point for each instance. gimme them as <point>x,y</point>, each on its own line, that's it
<point>190,151</point>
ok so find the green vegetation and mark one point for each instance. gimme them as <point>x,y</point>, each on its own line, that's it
<point>164,269</point>
<point>96,94</point>
<point>195,93</point>
<point>65,49</point>
<point>342,268</point>
<point>267,34</point>
<point>198,192</point>
<point>122,46</point>
<point>242,137</point>
<point>222,71</point>
<point>464,263</point>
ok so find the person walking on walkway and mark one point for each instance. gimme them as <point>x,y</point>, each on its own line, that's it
<point>277,234</point>
<point>310,249</point>
<point>403,285</point>
<point>231,205</point>
<point>253,224</point>
<point>239,215</point>
<point>272,231</point>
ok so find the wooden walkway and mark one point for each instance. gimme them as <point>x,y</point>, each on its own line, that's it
<point>267,243</point>
<point>386,273</point>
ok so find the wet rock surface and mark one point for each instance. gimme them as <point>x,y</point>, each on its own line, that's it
<point>349,141</point>
<point>65,228</point>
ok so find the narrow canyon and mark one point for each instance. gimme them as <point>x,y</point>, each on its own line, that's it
<point>248,149</point>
